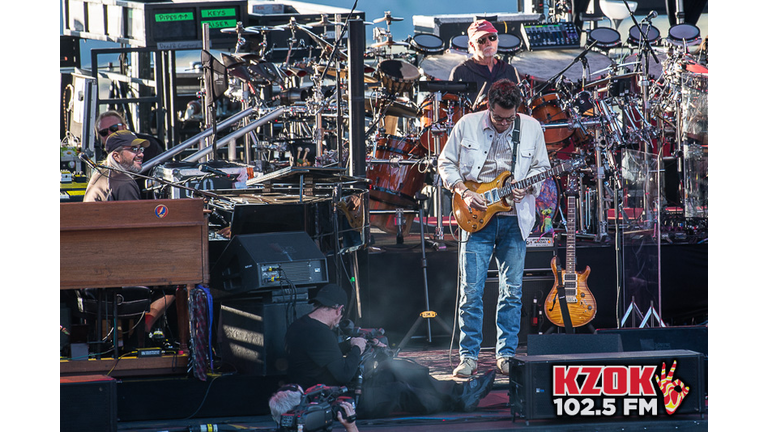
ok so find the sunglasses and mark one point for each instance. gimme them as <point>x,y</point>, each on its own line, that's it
<point>489,38</point>
<point>112,129</point>
<point>135,149</point>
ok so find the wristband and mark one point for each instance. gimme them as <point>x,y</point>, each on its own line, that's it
<point>464,192</point>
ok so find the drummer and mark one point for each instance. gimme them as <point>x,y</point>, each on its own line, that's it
<point>483,67</point>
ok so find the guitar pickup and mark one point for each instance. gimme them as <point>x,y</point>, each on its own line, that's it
<point>492,196</point>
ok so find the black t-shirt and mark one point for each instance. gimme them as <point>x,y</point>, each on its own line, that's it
<point>315,356</point>
<point>473,72</point>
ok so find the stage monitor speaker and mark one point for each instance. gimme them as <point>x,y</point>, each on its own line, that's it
<point>272,260</point>
<point>88,403</point>
<point>251,334</point>
<point>692,338</point>
<point>549,344</point>
<point>532,385</point>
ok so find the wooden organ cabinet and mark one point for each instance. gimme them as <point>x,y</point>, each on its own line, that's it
<point>135,243</point>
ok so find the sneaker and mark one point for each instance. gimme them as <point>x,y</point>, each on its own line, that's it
<point>466,368</point>
<point>502,365</point>
<point>474,390</point>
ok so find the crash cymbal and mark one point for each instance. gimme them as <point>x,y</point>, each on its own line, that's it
<point>389,43</point>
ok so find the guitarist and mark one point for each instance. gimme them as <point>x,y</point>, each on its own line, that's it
<point>481,146</point>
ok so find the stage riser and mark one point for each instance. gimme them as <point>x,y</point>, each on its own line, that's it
<point>392,286</point>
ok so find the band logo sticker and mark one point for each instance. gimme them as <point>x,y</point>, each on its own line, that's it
<point>616,390</point>
<point>161,211</point>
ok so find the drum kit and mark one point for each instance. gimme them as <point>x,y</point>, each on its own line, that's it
<point>651,97</point>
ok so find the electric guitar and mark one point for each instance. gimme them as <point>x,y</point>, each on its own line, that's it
<point>580,302</point>
<point>494,192</point>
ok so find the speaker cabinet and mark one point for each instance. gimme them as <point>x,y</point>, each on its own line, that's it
<point>88,403</point>
<point>533,384</point>
<point>692,338</point>
<point>261,261</point>
<point>251,334</point>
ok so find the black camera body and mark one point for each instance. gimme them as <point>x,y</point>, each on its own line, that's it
<point>317,410</point>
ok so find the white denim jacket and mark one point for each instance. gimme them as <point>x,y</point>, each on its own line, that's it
<point>467,148</point>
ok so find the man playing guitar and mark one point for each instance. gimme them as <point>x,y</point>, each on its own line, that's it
<point>481,147</point>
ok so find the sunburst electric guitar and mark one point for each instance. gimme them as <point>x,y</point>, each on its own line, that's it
<point>579,301</point>
<point>494,192</point>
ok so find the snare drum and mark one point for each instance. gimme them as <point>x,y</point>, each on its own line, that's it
<point>635,34</point>
<point>509,44</point>
<point>460,43</point>
<point>450,103</point>
<point>604,37</point>
<point>395,185</point>
<point>397,76</point>
<point>684,35</point>
<point>426,43</point>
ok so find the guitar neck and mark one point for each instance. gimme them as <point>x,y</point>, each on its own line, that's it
<point>532,180</point>
<point>570,246</point>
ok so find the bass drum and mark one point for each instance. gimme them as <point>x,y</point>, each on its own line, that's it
<point>452,108</point>
<point>395,185</point>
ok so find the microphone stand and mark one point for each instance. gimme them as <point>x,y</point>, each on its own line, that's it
<point>552,80</point>
<point>645,48</point>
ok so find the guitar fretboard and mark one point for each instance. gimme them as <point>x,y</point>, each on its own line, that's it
<point>532,180</point>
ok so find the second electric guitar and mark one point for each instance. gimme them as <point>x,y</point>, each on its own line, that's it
<point>494,192</point>
<point>579,300</point>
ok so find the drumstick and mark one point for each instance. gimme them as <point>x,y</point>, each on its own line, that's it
<point>306,153</point>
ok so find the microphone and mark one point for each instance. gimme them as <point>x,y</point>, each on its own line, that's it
<point>209,169</point>
<point>653,14</point>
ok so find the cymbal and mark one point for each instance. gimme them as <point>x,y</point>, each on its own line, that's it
<point>389,43</point>
<point>332,72</point>
<point>259,29</point>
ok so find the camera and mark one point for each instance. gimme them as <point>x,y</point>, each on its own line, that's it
<point>317,410</point>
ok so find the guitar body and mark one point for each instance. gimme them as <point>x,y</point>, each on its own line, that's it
<point>473,220</point>
<point>581,303</point>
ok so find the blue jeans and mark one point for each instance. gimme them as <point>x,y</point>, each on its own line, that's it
<point>502,238</point>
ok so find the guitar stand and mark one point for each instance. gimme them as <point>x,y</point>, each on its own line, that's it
<point>427,314</point>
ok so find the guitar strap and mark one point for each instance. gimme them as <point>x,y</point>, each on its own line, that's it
<point>566,313</point>
<point>515,141</point>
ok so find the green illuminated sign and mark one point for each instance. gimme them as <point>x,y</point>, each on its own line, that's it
<point>217,13</point>
<point>175,16</point>
<point>221,23</point>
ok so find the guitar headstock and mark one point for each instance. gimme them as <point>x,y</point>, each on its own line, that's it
<point>574,164</point>
<point>573,186</point>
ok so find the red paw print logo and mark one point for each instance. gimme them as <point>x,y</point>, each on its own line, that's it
<point>674,390</point>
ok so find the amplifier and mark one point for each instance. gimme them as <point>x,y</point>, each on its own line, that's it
<point>271,260</point>
<point>608,385</point>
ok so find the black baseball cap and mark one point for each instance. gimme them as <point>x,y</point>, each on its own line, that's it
<point>331,295</point>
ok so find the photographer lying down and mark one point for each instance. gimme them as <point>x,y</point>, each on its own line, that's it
<point>380,384</point>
